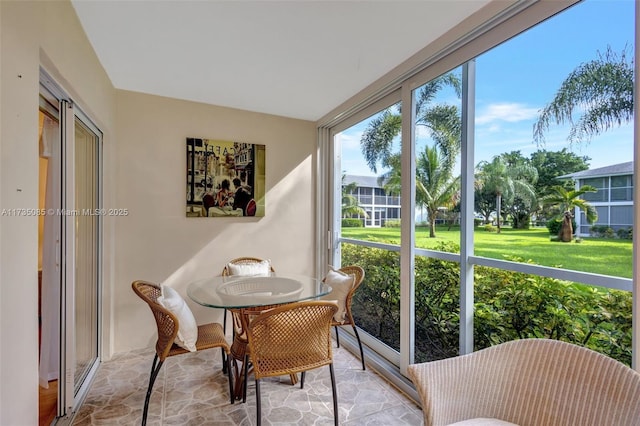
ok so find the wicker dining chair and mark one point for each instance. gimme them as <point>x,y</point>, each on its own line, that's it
<point>239,345</point>
<point>240,261</point>
<point>209,336</point>
<point>243,261</point>
<point>358,273</point>
<point>291,339</point>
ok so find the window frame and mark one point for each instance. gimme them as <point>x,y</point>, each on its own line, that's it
<point>454,49</point>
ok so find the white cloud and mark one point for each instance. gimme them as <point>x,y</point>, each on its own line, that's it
<point>494,128</point>
<point>509,112</point>
<point>350,141</point>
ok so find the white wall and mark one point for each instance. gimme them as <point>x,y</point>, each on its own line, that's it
<point>33,34</point>
<point>144,171</point>
<point>157,242</point>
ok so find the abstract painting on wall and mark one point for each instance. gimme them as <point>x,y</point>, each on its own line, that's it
<point>225,178</point>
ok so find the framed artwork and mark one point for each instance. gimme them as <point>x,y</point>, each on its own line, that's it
<point>225,178</point>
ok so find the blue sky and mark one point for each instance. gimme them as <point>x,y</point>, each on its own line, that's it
<point>516,79</point>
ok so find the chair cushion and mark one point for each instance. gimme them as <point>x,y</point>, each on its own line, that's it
<point>340,284</point>
<point>187,327</point>
<point>262,268</point>
<point>483,422</point>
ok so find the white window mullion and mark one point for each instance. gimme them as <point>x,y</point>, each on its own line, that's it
<point>67,331</point>
<point>407,229</point>
<point>327,208</point>
<point>467,217</point>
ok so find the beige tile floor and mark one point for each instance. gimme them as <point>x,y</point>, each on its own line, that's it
<point>191,390</point>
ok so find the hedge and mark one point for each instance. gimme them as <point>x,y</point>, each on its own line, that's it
<point>508,306</point>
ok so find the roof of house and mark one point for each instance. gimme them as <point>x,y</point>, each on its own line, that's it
<point>362,181</point>
<point>615,169</point>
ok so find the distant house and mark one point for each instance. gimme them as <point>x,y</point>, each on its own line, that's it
<point>374,200</point>
<point>613,200</point>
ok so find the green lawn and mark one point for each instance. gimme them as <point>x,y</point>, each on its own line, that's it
<point>597,255</point>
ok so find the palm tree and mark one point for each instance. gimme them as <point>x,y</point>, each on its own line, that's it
<point>435,185</point>
<point>507,180</point>
<point>350,205</point>
<point>377,140</point>
<point>567,201</point>
<point>601,90</point>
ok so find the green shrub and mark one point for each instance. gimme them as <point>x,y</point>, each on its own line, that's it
<point>392,223</point>
<point>521,220</point>
<point>376,304</point>
<point>516,306</point>
<point>490,228</point>
<point>437,306</point>
<point>554,226</point>
<point>352,223</point>
<point>625,234</point>
<point>598,230</point>
<point>602,231</point>
<point>507,306</point>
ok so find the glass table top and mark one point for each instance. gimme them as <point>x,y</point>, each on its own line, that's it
<point>236,291</point>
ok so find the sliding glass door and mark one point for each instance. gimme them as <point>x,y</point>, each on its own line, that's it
<point>75,215</point>
<point>86,308</point>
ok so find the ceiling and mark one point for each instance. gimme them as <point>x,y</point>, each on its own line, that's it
<point>298,59</point>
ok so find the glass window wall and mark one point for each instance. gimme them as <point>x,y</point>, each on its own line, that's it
<point>516,224</point>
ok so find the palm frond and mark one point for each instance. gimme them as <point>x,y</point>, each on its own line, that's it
<point>377,139</point>
<point>602,88</point>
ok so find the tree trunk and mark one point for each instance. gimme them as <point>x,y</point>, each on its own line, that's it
<point>498,208</point>
<point>566,230</point>
<point>521,221</point>
<point>432,226</point>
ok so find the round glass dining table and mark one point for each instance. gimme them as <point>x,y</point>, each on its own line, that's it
<point>246,295</point>
<point>237,292</point>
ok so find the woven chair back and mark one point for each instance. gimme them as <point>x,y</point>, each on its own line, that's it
<point>167,324</point>
<point>358,272</point>
<point>538,382</point>
<point>291,338</point>
<point>242,261</point>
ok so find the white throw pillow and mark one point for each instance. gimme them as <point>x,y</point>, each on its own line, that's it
<point>262,268</point>
<point>187,327</point>
<point>340,284</point>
